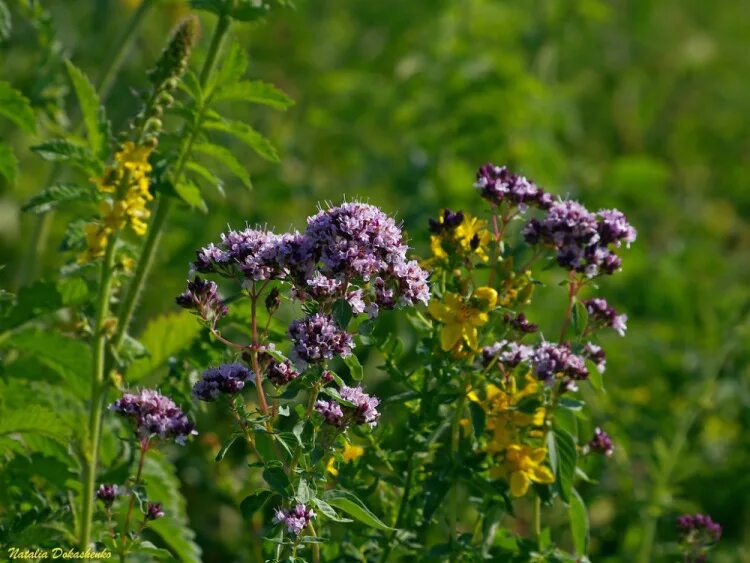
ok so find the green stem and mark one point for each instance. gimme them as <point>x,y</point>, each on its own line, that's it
<point>308,412</point>
<point>455,443</point>
<point>38,241</point>
<point>144,449</point>
<point>537,516</point>
<point>315,546</point>
<point>98,390</point>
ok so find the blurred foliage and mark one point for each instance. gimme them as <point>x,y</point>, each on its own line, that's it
<point>630,104</point>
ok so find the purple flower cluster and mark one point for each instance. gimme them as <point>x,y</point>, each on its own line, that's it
<point>229,379</point>
<point>281,373</point>
<point>317,338</point>
<point>550,360</point>
<point>154,511</point>
<point>601,313</point>
<point>154,415</point>
<point>596,354</point>
<point>700,525</point>
<point>107,494</point>
<point>363,409</point>
<point>507,353</point>
<point>341,250</point>
<point>601,443</point>
<point>295,519</point>
<point>203,297</point>
<point>582,239</point>
<point>497,184</point>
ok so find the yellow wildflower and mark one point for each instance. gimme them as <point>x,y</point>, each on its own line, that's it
<point>461,318</point>
<point>470,237</point>
<point>350,453</point>
<point>522,465</point>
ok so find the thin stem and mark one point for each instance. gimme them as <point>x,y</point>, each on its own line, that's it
<point>401,509</point>
<point>455,443</point>
<point>98,388</point>
<point>310,406</point>
<point>262,403</point>
<point>139,472</point>
<point>537,519</point>
<point>573,287</point>
<point>315,546</point>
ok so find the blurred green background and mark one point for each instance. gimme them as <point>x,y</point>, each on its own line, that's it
<point>633,104</point>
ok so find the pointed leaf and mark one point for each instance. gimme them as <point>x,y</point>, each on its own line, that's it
<point>16,107</point>
<point>190,193</point>
<point>91,109</point>
<point>350,503</point>
<point>247,135</point>
<point>254,502</point>
<point>60,150</point>
<point>8,163</point>
<point>51,198</point>
<point>579,523</point>
<point>253,91</point>
<point>226,158</point>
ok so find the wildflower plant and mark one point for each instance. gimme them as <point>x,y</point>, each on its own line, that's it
<point>347,266</point>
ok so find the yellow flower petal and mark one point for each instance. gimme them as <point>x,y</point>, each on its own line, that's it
<point>331,467</point>
<point>351,452</point>
<point>450,336</point>
<point>487,294</point>
<point>519,484</point>
<point>542,474</point>
<point>472,337</point>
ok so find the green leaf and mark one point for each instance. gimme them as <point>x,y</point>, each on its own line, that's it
<point>73,290</point>
<point>253,91</point>
<point>303,494</point>
<point>60,150</point>
<point>226,445</point>
<point>596,380</point>
<point>69,358</point>
<point>247,135</point>
<point>57,194</point>
<point>249,10</point>
<point>16,107</point>
<point>202,172</point>
<point>190,193</point>
<point>478,418</point>
<point>231,70</point>
<point>91,110</point>
<point>350,503</point>
<point>148,548</point>
<point>225,157</point>
<point>33,419</point>
<point>342,313</point>
<point>212,6</point>
<point>162,486</point>
<point>571,404</point>
<point>579,523</point>
<point>355,368</point>
<point>276,479</point>
<point>328,511</point>
<point>33,301</point>
<point>8,163</point>
<point>562,455</point>
<point>163,337</point>
<point>254,502</point>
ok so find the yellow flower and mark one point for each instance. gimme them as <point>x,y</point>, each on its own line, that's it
<point>471,237</point>
<point>461,318</point>
<point>522,465</point>
<point>350,453</point>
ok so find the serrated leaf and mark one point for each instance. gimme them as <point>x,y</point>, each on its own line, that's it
<point>162,486</point>
<point>34,419</point>
<point>255,92</point>
<point>232,69</point>
<point>562,455</point>
<point>579,523</point>
<point>190,193</point>
<point>246,134</point>
<point>204,173</point>
<point>355,368</point>
<point>8,163</point>
<point>226,158</point>
<point>16,107</point>
<point>254,502</point>
<point>69,358</point>
<point>354,507</point>
<point>60,150</point>
<point>91,110</point>
<point>57,194</point>
<point>163,337</point>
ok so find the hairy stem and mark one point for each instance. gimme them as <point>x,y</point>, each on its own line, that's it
<point>139,472</point>
<point>98,390</point>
